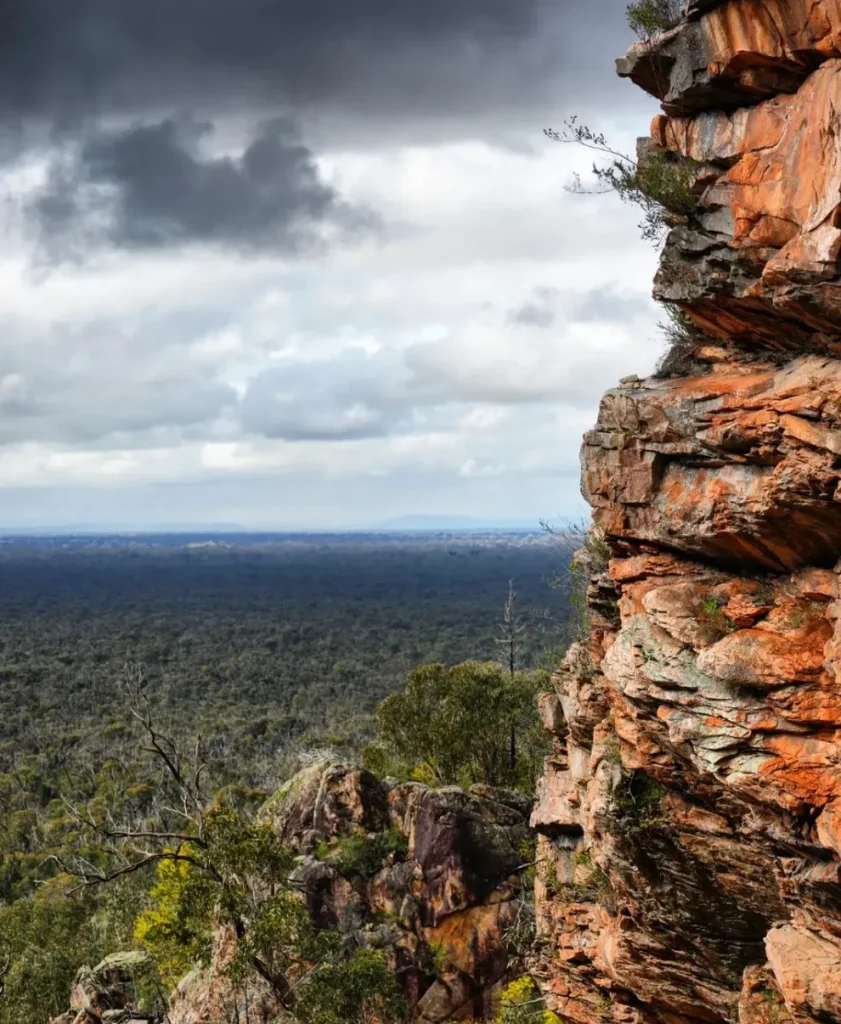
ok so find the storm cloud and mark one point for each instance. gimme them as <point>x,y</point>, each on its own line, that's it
<point>60,60</point>
<point>308,260</point>
<point>149,186</point>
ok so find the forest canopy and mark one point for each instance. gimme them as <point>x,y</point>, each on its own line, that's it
<point>257,658</point>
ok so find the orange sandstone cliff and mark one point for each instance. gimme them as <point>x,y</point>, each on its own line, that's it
<point>690,816</point>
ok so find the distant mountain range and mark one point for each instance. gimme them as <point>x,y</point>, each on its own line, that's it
<point>443,522</point>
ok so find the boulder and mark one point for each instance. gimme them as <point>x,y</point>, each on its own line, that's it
<point>440,909</point>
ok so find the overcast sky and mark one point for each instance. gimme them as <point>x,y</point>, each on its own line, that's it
<point>308,262</point>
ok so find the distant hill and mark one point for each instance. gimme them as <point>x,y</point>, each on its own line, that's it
<point>444,522</point>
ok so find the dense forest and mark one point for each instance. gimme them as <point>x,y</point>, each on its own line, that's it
<point>265,642</point>
<point>272,649</point>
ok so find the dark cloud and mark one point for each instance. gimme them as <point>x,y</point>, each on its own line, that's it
<point>606,304</point>
<point>152,185</point>
<point>539,311</point>
<point>62,59</point>
<point>98,82</point>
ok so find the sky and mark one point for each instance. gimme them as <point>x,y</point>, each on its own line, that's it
<point>309,263</point>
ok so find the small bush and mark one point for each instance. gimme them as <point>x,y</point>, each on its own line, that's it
<point>651,17</point>
<point>711,609</point>
<point>521,934</point>
<point>591,556</point>
<point>463,724</point>
<point>669,181</point>
<point>661,184</point>
<point>363,856</point>
<point>635,804</point>
<point>522,1003</point>
<point>356,990</point>
<point>596,888</point>
<point>683,338</point>
<point>612,751</point>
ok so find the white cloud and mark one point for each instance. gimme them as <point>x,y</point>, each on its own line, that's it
<point>390,374</point>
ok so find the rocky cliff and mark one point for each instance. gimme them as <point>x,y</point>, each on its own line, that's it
<point>690,816</point>
<point>431,877</point>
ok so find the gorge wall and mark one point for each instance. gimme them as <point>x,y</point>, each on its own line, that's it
<point>690,816</point>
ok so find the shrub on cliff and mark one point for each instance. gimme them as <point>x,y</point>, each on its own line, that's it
<point>521,1003</point>
<point>359,856</point>
<point>218,869</point>
<point>460,725</point>
<point>43,940</point>
<point>237,874</point>
<point>651,17</point>
<point>683,339</point>
<point>662,185</point>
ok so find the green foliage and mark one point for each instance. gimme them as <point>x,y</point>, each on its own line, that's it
<point>596,887</point>
<point>521,933</point>
<point>662,185</point>
<point>650,17</point>
<point>270,648</point>
<point>362,856</point>
<point>603,1004</point>
<point>585,553</point>
<point>438,959</point>
<point>175,929</point>
<point>272,651</point>
<point>796,617</point>
<point>554,886</point>
<point>711,609</point>
<point>237,874</point>
<point>470,723</point>
<point>46,938</point>
<point>634,804</point>
<point>359,990</point>
<point>528,850</point>
<point>521,1003</point>
<point>683,338</point>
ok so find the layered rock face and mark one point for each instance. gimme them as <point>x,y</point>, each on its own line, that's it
<point>690,816</point>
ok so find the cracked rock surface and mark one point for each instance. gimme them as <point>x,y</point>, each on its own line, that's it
<point>689,818</point>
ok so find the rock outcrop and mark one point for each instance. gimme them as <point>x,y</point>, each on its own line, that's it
<point>440,904</point>
<point>690,815</point>
<point>110,991</point>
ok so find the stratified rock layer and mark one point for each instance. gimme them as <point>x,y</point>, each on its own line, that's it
<point>690,816</point>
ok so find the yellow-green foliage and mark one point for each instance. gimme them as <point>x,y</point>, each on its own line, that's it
<point>46,938</point>
<point>521,1003</point>
<point>170,930</point>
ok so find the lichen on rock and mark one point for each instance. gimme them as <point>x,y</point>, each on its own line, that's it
<point>690,814</point>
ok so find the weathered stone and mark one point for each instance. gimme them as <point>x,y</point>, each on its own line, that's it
<point>327,800</point>
<point>738,52</point>
<point>713,466</point>
<point>690,813</point>
<point>440,916</point>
